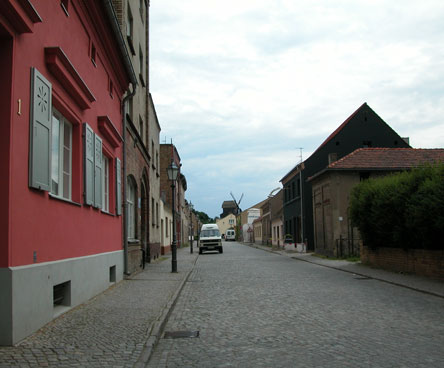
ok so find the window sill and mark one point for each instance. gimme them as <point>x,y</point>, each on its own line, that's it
<point>132,241</point>
<point>53,196</point>
<point>108,213</point>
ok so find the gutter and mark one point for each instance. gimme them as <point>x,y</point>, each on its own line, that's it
<point>110,12</point>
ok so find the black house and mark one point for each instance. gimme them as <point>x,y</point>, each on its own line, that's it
<point>364,128</point>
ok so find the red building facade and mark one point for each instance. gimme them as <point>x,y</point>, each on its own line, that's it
<point>64,72</point>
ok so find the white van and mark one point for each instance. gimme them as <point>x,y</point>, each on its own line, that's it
<point>210,239</point>
<point>230,235</point>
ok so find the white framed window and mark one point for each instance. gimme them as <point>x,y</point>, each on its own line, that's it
<point>157,214</point>
<point>131,204</point>
<point>129,23</point>
<point>140,61</point>
<point>141,132</point>
<point>61,156</point>
<point>153,213</point>
<point>105,183</point>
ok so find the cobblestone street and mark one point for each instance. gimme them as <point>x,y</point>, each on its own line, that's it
<point>258,309</point>
<point>110,330</point>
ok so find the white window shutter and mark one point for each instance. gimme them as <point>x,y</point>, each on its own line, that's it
<point>40,132</point>
<point>118,188</point>
<point>97,171</point>
<point>88,157</point>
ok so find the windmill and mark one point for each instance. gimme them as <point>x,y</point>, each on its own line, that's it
<point>237,203</point>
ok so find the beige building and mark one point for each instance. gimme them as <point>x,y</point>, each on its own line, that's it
<point>166,227</point>
<point>228,222</point>
<point>257,231</point>
<point>334,233</point>
<point>277,231</point>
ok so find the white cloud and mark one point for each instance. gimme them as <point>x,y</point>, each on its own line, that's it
<point>242,84</point>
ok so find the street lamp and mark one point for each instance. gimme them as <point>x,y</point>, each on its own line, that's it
<point>172,172</point>
<point>192,234</point>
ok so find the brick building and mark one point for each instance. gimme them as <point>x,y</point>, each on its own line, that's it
<point>168,153</point>
<point>133,17</point>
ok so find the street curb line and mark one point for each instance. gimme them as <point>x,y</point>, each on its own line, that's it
<point>372,277</point>
<point>352,272</point>
<point>159,324</point>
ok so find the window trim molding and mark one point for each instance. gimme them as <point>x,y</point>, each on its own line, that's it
<point>62,68</point>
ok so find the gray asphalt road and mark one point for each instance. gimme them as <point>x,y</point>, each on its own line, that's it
<point>257,309</point>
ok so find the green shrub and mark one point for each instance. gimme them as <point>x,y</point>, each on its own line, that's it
<point>404,210</point>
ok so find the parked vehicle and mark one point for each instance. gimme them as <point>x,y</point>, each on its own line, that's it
<point>231,235</point>
<point>210,238</point>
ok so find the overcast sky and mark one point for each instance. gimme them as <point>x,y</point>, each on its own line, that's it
<point>240,85</point>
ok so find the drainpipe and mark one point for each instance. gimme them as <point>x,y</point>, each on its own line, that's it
<point>110,12</point>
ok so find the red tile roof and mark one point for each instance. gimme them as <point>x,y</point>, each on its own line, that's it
<point>388,158</point>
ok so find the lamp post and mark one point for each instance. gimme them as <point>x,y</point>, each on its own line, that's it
<point>192,234</point>
<point>172,172</point>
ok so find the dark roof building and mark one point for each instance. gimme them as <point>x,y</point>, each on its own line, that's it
<point>363,128</point>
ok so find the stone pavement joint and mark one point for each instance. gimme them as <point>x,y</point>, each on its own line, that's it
<point>417,283</point>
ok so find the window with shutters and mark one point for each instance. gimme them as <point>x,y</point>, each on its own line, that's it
<point>141,6</point>
<point>141,132</point>
<point>130,29</point>
<point>105,183</point>
<point>131,207</point>
<point>141,68</point>
<point>61,156</point>
<point>93,167</point>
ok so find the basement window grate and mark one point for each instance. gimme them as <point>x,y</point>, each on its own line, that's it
<point>180,334</point>
<point>62,294</point>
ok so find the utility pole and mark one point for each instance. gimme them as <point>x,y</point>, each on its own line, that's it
<point>301,186</point>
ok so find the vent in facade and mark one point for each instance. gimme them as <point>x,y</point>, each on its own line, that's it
<point>62,294</point>
<point>112,274</point>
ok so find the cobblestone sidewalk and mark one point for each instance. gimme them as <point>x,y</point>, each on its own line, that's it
<point>115,329</point>
<point>418,283</point>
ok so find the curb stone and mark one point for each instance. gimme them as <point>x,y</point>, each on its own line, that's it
<point>158,325</point>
